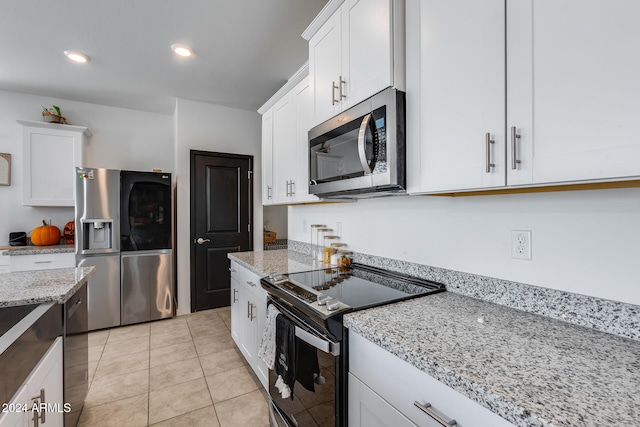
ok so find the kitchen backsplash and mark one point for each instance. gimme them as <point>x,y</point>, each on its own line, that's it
<point>613,317</point>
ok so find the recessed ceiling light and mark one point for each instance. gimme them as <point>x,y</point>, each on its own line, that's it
<point>181,49</point>
<point>76,56</point>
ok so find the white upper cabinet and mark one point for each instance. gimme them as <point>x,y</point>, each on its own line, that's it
<point>455,95</point>
<point>325,69</point>
<point>285,145</point>
<point>51,153</point>
<point>555,106</point>
<point>356,49</point>
<point>267,157</point>
<point>573,90</point>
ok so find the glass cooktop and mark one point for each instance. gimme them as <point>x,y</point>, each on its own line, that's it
<point>359,286</point>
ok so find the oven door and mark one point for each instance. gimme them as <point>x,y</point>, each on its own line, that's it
<point>304,407</point>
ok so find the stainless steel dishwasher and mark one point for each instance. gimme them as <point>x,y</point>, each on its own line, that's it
<point>76,354</point>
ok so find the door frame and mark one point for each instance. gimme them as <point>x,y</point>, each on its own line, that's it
<point>192,204</point>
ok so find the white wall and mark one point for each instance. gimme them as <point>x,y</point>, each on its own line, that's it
<point>122,139</point>
<point>207,127</point>
<point>583,242</point>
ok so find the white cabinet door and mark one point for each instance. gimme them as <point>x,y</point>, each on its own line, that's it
<point>51,153</point>
<point>455,95</point>
<point>367,48</point>
<point>14,415</point>
<point>41,393</point>
<point>367,409</point>
<point>236,315</point>
<point>261,369</point>
<point>267,157</point>
<point>573,91</point>
<point>284,148</point>
<point>45,382</point>
<point>302,95</point>
<point>325,68</point>
<point>248,316</point>
<point>42,261</point>
<point>248,341</point>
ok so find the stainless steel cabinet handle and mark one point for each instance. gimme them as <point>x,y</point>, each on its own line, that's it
<point>288,188</point>
<point>514,147</point>
<point>251,316</point>
<point>39,400</point>
<point>293,191</point>
<point>248,309</point>
<point>333,93</point>
<point>342,82</point>
<point>426,408</point>
<point>42,262</point>
<point>489,141</point>
<point>268,191</point>
<point>253,285</point>
<point>200,240</point>
<point>235,292</point>
<point>232,270</point>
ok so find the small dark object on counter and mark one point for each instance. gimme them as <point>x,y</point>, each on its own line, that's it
<point>17,238</point>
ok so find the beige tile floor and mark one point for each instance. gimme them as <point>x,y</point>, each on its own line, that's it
<point>184,371</point>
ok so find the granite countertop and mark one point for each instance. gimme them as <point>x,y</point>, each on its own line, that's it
<point>34,250</point>
<point>40,286</point>
<point>529,369</point>
<point>280,261</point>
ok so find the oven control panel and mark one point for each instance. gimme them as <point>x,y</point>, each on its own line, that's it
<point>323,304</point>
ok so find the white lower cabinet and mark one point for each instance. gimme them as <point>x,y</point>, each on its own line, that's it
<point>248,314</point>
<point>41,390</point>
<point>367,409</point>
<point>41,261</point>
<point>384,390</point>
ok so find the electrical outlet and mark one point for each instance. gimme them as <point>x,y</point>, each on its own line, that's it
<point>305,225</point>
<point>521,244</point>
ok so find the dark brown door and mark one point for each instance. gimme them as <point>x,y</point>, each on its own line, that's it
<point>221,206</point>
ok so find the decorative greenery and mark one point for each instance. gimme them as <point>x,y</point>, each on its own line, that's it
<point>53,110</point>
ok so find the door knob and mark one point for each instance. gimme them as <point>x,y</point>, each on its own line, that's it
<point>200,240</point>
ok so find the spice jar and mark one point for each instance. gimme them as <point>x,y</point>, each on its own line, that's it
<point>328,249</point>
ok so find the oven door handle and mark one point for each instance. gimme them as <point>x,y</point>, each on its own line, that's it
<point>319,343</point>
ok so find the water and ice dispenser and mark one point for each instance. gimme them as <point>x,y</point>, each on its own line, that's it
<point>97,234</point>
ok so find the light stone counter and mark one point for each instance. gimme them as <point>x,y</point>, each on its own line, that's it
<point>35,250</point>
<point>40,286</point>
<point>279,261</point>
<point>529,369</point>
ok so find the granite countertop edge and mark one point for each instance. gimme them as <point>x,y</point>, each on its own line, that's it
<point>37,250</point>
<point>58,285</point>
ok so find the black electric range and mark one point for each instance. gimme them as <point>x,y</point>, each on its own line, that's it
<point>315,301</point>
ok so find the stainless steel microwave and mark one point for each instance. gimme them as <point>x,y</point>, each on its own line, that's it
<point>360,152</point>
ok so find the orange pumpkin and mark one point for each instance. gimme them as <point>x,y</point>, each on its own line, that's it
<point>68,232</point>
<point>45,235</point>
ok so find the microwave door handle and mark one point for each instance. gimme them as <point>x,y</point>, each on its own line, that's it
<point>362,135</point>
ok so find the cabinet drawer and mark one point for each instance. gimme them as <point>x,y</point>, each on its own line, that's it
<point>248,280</point>
<point>42,261</point>
<point>402,384</point>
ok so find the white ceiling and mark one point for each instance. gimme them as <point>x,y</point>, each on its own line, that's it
<point>244,50</point>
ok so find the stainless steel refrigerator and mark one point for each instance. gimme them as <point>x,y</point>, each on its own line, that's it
<point>146,238</point>
<point>97,241</point>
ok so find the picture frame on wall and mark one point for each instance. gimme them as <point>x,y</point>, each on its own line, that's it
<point>5,169</point>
